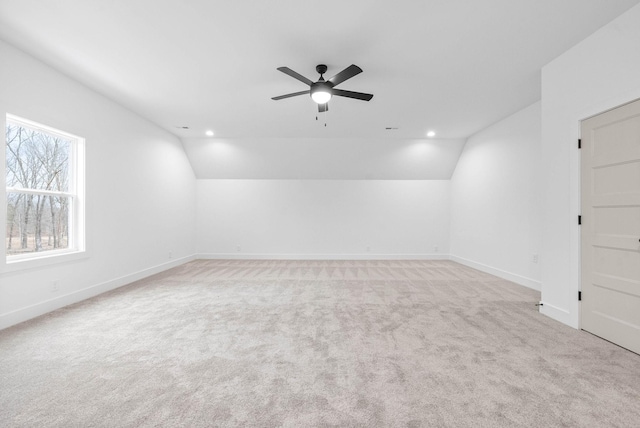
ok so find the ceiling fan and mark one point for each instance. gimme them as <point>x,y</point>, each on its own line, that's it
<point>322,90</point>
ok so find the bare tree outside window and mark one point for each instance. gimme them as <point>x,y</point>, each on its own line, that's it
<point>39,198</point>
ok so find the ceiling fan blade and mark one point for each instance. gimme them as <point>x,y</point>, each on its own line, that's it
<point>323,107</point>
<point>350,94</point>
<point>295,94</point>
<point>298,76</point>
<point>345,74</point>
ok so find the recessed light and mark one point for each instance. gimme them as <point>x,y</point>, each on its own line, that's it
<point>209,133</point>
<point>431,134</point>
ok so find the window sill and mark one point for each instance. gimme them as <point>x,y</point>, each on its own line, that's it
<point>25,263</point>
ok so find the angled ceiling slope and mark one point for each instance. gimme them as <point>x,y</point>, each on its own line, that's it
<point>323,159</point>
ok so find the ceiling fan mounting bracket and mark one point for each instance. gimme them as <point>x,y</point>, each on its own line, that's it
<point>321,68</point>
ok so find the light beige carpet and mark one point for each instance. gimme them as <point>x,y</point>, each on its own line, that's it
<point>313,343</point>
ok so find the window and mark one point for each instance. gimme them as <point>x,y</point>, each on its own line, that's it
<point>45,190</point>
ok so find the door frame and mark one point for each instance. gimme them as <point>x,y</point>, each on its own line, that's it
<point>577,157</point>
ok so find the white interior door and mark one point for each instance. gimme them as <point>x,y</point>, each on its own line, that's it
<point>610,232</point>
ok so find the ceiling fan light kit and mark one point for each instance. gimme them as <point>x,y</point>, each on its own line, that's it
<point>320,94</point>
<point>322,90</point>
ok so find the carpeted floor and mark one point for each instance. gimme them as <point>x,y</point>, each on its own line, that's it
<point>313,343</point>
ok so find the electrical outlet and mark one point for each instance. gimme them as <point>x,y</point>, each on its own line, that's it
<point>170,254</point>
<point>435,249</point>
<point>238,248</point>
<point>55,286</point>
<point>368,249</point>
<point>534,258</point>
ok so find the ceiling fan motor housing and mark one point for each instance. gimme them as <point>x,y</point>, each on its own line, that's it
<point>321,86</point>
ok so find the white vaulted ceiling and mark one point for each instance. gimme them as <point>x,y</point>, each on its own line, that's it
<point>454,66</point>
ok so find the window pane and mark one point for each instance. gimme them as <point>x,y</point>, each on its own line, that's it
<point>36,160</point>
<point>36,223</point>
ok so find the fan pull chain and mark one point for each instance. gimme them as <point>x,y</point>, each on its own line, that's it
<point>326,113</point>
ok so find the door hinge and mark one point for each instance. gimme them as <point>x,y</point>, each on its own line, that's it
<point>579,219</point>
<point>579,296</point>
<point>579,143</point>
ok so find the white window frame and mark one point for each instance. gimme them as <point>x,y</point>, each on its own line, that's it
<point>76,242</point>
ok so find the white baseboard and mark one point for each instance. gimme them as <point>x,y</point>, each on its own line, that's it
<point>518,279</point>
<point>366,256</point>
<point>29,312</point>
<point>558,314</point>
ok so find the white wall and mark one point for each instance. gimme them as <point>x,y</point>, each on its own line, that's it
<point>323,218</point>
<point>323,198</point>
<point>140,191</point>
<point>495,224</point>
<point>598,74</point>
